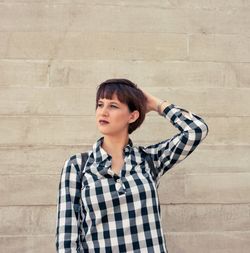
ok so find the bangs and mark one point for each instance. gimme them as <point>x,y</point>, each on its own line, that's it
<point>107,91</point>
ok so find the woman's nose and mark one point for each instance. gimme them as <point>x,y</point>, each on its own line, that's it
<point>104,110</point>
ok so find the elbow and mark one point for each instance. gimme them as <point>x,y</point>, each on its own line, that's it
<point>201,132</point>
<point>198,130</point>
<point>198,133</point>
<point>205,131</point>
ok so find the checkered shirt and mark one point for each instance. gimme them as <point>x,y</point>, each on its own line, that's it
<point>99,211</point>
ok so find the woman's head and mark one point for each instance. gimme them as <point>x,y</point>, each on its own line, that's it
<point>129,97</point>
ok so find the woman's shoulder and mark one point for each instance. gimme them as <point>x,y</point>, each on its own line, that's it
<point>77,158</point>
<point>75,162</point>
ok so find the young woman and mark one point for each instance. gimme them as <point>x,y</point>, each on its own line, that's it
<point>111,205</point>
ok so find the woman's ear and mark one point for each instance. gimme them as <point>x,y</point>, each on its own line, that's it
<point>134,116</point>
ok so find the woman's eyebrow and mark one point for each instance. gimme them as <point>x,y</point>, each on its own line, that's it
<point>110,102</point>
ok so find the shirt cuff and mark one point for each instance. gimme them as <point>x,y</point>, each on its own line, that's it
<point>172,111</point>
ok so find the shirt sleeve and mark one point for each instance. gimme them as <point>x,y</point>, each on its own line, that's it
<point>172,151</point>
<point>68,208</point>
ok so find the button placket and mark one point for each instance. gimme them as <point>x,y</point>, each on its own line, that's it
<point>118,184</point>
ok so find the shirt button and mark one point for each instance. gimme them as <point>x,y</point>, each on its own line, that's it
<point>118,180</point>
<point>117,186</point>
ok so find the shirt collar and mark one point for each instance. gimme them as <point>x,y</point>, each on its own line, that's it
<point>100,154</point>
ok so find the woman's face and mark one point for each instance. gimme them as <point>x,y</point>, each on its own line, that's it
<point>115,113</point>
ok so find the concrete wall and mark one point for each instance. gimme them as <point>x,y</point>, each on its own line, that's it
<point>194,53</point>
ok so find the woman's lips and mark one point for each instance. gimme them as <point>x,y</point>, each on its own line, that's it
<point>103,122</point>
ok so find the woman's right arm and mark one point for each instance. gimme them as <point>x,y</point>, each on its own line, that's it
<point>68,207</point>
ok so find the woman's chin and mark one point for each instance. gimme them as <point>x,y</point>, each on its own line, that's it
<point>103,131</point>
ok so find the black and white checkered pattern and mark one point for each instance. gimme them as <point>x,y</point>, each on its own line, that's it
<point>105,212</point>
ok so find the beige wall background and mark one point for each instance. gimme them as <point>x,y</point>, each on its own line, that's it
<point>194,53</point>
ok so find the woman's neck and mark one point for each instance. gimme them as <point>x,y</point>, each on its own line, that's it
<point>114,145</point>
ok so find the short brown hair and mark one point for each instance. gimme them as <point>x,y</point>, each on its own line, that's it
<point>127,93</point>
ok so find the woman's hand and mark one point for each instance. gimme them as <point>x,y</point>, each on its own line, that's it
<point>152,102</point>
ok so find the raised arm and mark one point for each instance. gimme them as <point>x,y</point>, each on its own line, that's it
<point>172,151</point>
<point>68,208</point>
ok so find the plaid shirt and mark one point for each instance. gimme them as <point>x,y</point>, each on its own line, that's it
<point>109,213</point>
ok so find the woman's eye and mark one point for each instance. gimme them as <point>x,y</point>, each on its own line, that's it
<point>110,105</point>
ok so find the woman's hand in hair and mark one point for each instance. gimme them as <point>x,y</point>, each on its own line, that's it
<point>152,102</point>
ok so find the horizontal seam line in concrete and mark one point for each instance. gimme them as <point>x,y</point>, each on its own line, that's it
<point>169,204</point>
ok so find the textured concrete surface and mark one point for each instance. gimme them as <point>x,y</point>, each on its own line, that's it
<point>196,54</point>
